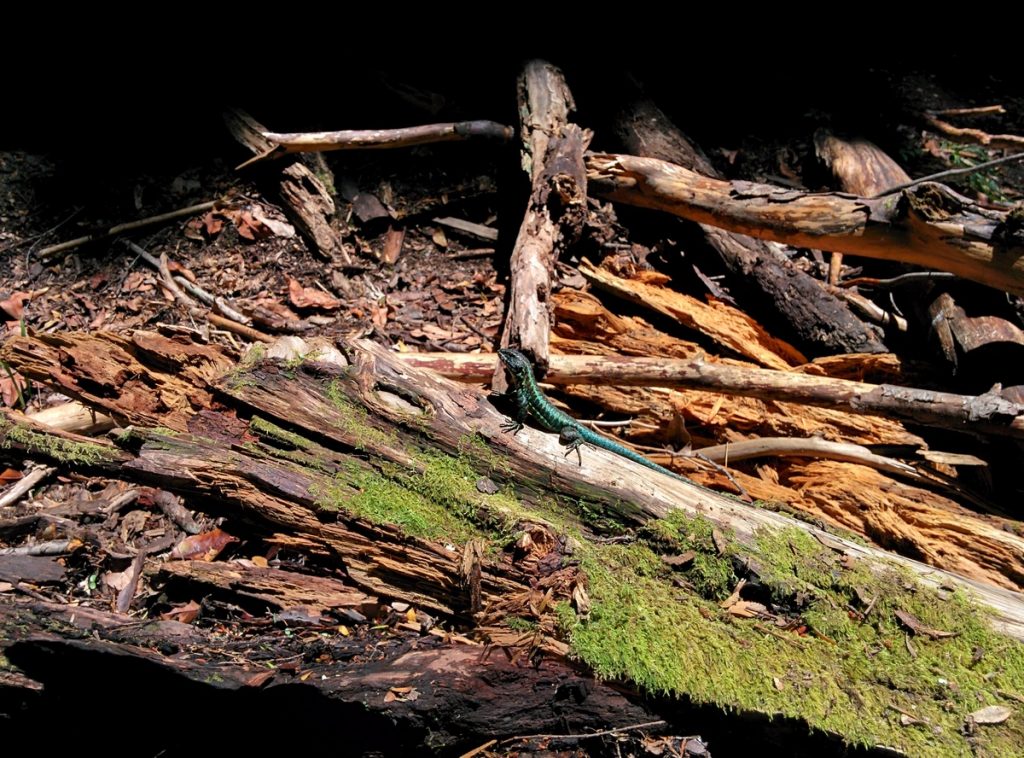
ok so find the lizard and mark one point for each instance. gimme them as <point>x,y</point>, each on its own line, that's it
<point>530,402</point>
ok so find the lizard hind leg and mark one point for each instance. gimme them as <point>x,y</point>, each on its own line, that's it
<point>572,439</point>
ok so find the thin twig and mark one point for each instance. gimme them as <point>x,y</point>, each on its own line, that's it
<point>951,173</point>
<point>51,547</point>
<point>602,733</point>
<point>974,136</point>
<point>253,335</point>
<point>23,485</point>
<point>127,227</point>
<point>983,110</point>
<point>896,281</point>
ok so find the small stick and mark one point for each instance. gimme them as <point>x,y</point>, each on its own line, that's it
<point>963,134</point>
<point>253,335</point>
<point>588,735</point>
<point>983,110</point>
<point>52,547</point>
<point>951,173</point>
<point>896,281</point>
<point>23,485</point>
<point>113,231</point>
<point>376,139</point>
<point>168,280</point>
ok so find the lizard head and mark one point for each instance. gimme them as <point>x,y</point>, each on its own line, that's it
<point>518,365</point>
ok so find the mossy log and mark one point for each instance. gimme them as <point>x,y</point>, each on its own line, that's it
<point>407,484</point>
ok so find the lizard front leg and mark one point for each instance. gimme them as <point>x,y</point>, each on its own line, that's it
<point>522,412</point>
<point>570,437</point>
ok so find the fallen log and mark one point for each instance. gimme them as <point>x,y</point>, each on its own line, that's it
<point>928,224</point>
<point>817,316</point>
<point>407,484</point>
<point>553,159</point>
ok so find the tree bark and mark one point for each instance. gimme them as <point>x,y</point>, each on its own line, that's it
<point>553,158</point>
<point>814,315</point>
<point>928,225</point>
<point>380,408</point>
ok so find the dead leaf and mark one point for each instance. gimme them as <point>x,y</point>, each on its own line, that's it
<point>9,475</point>
<point>186,614</point>
<point>202,547</point>
<point>404,694</point>
<point>117,580</point>
<point>258,680</point>
<point>439,237</point>
<point>212,224</point>
<point>392,245</point>
<point>14,306</point>
<point>912,623</point>
<point>260,561</point>
<point>992,714</point>
<point>310,297</point>
<point>747,609</point>
<point>12,387</point>
<point>679,561</point>
<point>278,227</point>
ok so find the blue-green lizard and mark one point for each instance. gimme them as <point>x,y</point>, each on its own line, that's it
<point>530,402</point>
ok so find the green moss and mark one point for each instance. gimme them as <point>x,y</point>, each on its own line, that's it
<point>710,573</point>
<point>355,421</point>
<point>519,624</point>
<point>269,430</point>
<point>439,501</point>
<point>57,448</point>
<point>846,676</point>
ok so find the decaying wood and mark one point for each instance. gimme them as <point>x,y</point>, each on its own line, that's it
<point>928,225</point>
<point>380,139</point>
<point>307,200</point>
<point>861,167</point>
<point>73,417</point>
<point>963,337</point>
<point>811,312</point>
<point>403,404</point>
<point>989,413</point>
<point>553,158</point>
<point>321,698</point>
<point>725,324</point>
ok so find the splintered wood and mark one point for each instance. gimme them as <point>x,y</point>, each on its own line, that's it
<point>902,516</point>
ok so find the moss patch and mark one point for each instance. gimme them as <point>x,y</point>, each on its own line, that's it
<point>853,674</point>
<point>354,420</point>
<point>439,501</point>
<point>57,448</point>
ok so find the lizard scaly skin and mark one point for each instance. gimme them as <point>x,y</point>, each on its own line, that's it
<point>530,402</point>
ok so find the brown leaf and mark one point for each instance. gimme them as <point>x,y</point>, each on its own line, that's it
<point>203,547</point>
<point>275,226</point>
<point>186,614</point>
<point>10,387</point>
<point>310,297</point>
<point>14,306</point>
<point>212,224</point>
<point>912,623</point>
<point>9,475</point>
<point>992,714</point>
<point>679,561</point>
<point>747,609</point>
<point>392,245</point>
<point>258,680</point>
